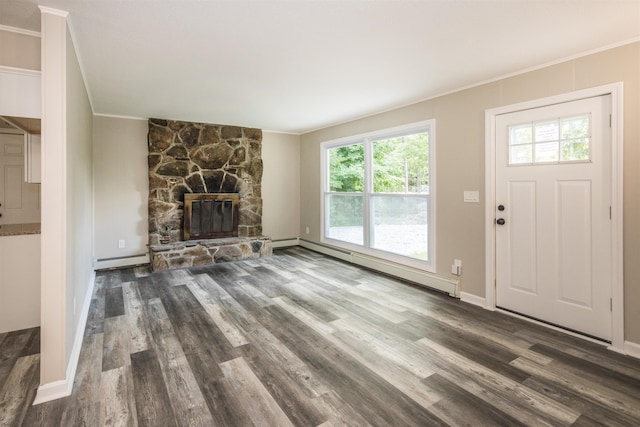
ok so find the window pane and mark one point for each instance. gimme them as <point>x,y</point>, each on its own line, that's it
<point>575,127</point>
<point>520,154</point>
<point>521,134</point>
<point>547,131</point>
<point>574,150</point>
<point>346,168</point>
<point>547,152</point>
<point>401,164</point>
<point>400,225</point>
<point>345,218</point>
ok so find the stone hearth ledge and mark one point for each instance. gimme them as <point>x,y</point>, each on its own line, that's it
<point>192,253</point>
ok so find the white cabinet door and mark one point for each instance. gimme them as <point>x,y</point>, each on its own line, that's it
<point>19,200</point>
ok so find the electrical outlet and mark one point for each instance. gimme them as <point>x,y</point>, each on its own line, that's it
<point>121,244</point>
<point>307,230</point>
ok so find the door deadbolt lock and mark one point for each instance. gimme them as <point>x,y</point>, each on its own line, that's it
<point>500,208</point>
<point>500,221</point>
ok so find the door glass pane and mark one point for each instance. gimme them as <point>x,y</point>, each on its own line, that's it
<point>575,150</point>
<point>520,154</point>
<point>521,134</point>
<point>546,152</point>
<point>401,164</point>
<point>552,141</point>
<point>400,225</point>
<point>547,131</point>
<point>346,168</point>
<point>575,127</point>
<point>344,218</point>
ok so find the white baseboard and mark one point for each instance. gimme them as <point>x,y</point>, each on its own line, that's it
<point>63,388</point>
<point>632,349</point>
<point>102,264</point>
<point>52,391</point>
<point>414,275</point>
<point>285,243</point>
<point>473,299</point>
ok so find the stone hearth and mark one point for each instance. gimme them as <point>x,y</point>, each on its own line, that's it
<point>194,253</point>
<point>189,157</point>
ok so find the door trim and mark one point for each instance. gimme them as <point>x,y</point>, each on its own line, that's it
<point>617,283</point>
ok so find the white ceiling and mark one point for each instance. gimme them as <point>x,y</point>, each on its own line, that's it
<point>298,65</point>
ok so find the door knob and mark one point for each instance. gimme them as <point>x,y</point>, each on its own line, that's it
<point>500,221</point>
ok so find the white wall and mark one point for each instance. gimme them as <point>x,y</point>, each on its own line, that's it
<point>79,120</point>
<point>121,185</point>
<point>280,185</point>
<point>460,148</point>
<point>53,237</point>
<point>19,48</point>
<point>67,201</point>
<point>19,74</point>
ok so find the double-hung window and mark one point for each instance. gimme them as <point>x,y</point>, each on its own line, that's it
<point>378,193</point>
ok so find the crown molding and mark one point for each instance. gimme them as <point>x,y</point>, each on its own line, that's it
<point>19,31</point>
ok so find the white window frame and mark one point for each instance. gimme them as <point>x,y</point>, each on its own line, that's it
<point>366,139</point>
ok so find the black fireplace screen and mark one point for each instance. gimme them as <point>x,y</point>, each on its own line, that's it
<point>210,215</point>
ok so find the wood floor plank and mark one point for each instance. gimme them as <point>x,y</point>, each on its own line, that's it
<point>310,340</point>
<point>591,408</point>
<point>117,406</point>
<point>285,391</point>
<point>137,323</point>
<point>473,347</point>
<point>460,406</point>
<point>95,316</point>
<point>399,376</point>
<point>48,414</point>
<point>19,389</point>
<point>115,352</point>
<point>32,346</point>
<point>114,302</point>
<point>88,373</point>
<point>361,388</point>
<point>149,287</point>
<point>233,333</point>
<point>186,398</point>
<point>263,409</point>
<point>153,406</point>
<point>83,415</point>
<point>592,372</point>
<point>338,411</point>
<point>280,355</point>
<point>538,403</point>
<point>192,324</point>
<point>618,400</point>
<point>13,345</point>
<point>394,351</point>
<point>303,315</point>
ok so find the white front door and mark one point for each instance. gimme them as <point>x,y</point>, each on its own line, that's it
<point>19,200</point>
<point>553,201</point>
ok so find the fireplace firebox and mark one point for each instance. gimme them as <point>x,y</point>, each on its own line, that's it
<point>210,215</point>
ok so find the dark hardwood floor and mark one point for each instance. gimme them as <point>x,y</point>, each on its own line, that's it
<point>302,339</point>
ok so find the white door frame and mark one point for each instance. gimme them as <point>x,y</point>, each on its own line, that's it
<point>617,283</point>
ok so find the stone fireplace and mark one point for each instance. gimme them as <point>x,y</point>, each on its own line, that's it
<point>218,167</point>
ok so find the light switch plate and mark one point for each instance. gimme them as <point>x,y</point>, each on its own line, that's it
<point>472,196</point>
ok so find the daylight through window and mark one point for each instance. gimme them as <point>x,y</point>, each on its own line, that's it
<point>377,192</point>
